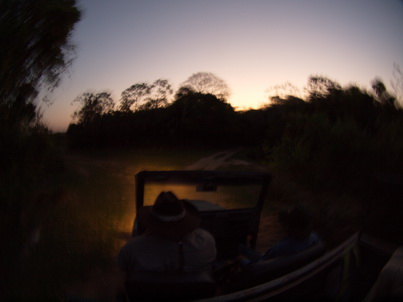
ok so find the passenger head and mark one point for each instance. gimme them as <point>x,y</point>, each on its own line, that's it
<point>297,222</point>
<point>170,217</point>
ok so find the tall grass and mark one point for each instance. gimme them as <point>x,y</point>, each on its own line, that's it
<point>332,164</point>
<point>29,165</point>
<point>77,235</point>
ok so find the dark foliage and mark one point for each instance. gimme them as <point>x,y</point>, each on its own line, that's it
<point>207,83</point>
<point>192,119</point>
<point>35,44</point>
<point>142,96</point>
<point>34,52</point>
<point>344,135</point>
<point>338,139</point>
<point>330,147</point>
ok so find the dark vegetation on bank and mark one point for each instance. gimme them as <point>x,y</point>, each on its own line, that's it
<point>332,146</point>
<point>334,138</point>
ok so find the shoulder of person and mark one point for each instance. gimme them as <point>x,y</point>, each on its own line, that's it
<point>203,233</point>
<point>201,236</point>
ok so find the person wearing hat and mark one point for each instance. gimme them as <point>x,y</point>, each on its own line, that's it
<point>173,241</point>
<point>297,224</point>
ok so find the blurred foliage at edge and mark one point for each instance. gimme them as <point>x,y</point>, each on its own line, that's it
<point>35,52</point>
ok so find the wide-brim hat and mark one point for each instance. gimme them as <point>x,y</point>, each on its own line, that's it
<point>170,217</point>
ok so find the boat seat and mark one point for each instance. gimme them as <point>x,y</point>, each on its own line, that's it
<point>263,271</point>
<point>156,286</point>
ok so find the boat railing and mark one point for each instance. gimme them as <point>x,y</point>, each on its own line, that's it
<point>288,281</point>
<point>263,271</point>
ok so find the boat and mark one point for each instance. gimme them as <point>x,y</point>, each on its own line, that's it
<point>230,204</point>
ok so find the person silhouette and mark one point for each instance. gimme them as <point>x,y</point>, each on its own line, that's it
<point>173,242</point>
<point>300,236</point>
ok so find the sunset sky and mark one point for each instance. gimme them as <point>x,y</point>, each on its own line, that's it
<point>252,45</point>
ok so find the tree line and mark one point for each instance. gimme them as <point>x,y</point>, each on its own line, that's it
<point>199,114</point>
<point>343,133</point>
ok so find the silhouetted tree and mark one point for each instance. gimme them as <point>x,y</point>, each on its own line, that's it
<point>208,83</point>
<point>160,91</point>
<point>320,87</point>
<point>282,91</point>
<point>397,84</point>
<point>382,95</point>
<point>35,50</point>
<point>357,104</point>
<point>93,106</point>
<point>133,95</point>
<point>183,91</point>
<point>35,47</point>
<point>202,118</point>
<point>142,96</point>
<point>22,112</point>
<point>278,112</point>
<point>287,101</point>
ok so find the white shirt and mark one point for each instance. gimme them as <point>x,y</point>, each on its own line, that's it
<point>156,254</point>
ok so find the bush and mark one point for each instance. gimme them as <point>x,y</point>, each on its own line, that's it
<point>333,154</point>
<point>30,167</point>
